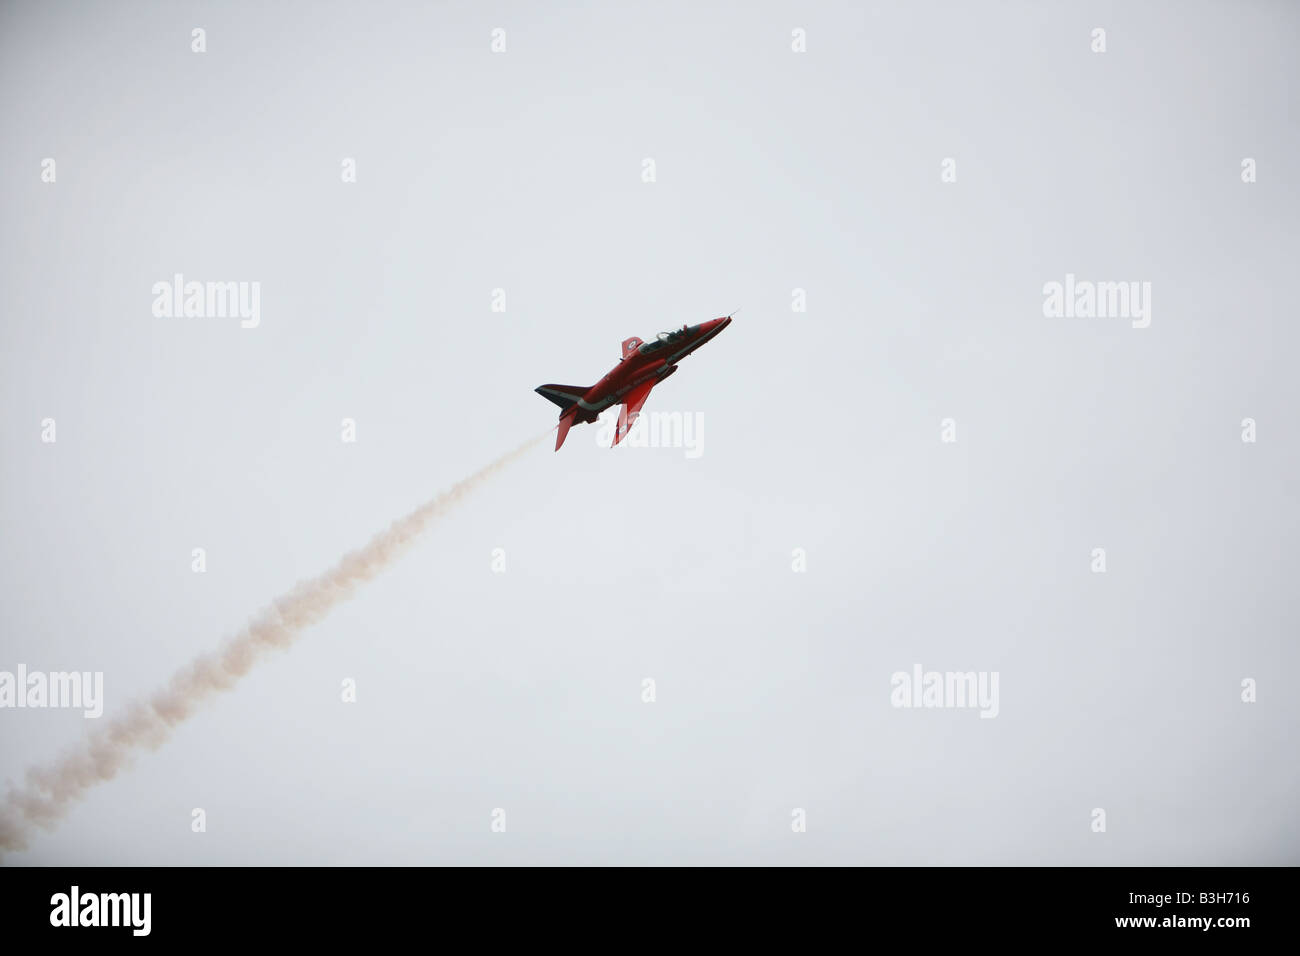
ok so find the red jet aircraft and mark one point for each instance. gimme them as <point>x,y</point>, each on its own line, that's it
<point>643,366</point>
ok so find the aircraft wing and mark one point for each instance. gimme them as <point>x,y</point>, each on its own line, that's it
<point>627,415</point>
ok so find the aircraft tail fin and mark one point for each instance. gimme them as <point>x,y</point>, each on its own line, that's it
<point>566,396</point>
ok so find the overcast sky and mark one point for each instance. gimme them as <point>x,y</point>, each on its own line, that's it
<point>775,169</point>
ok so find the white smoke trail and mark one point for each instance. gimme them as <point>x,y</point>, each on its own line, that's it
<point>106,751</point>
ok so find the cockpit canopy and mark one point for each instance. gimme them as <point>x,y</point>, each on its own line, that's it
<point>664,338</point>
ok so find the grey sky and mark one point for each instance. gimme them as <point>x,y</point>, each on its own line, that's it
<point>775,171</point>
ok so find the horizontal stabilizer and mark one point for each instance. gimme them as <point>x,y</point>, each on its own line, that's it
<point>562,430</point>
